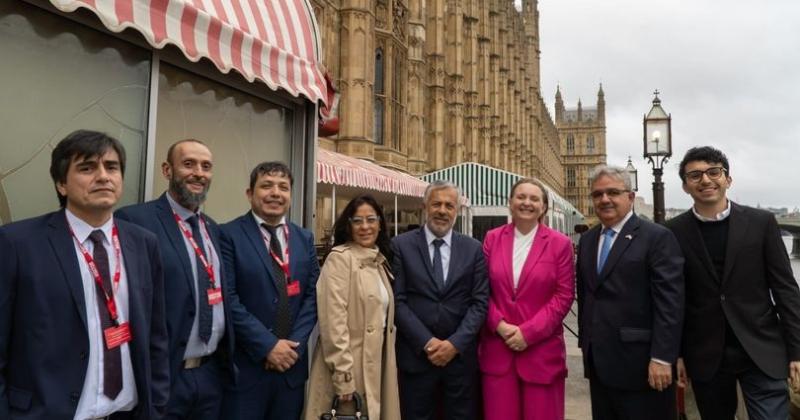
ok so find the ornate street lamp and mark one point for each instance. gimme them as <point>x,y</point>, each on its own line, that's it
<point>657,149</point>
<point>633,174</point>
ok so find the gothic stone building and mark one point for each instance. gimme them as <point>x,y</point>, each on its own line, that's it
<point>427,84</point>
<point>583,146</point>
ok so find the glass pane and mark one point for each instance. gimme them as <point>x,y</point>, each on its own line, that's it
<point>57,76</point>
<point>241,131</point>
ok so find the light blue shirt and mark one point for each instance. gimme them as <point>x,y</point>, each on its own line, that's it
<point>444,249</point>
<point>93,402</point>
<point>195,347</point>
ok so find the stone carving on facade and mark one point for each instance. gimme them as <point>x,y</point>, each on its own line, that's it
<point>400,20</point>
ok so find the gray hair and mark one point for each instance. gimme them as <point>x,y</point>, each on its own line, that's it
<point>614,172</point>
<point>440,184</point>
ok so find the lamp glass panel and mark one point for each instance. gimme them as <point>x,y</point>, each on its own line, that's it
<point>657,138</point>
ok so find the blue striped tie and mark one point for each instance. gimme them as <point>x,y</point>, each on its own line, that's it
<point>608,236</point>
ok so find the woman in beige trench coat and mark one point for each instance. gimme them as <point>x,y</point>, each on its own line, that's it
<point>355,305</point>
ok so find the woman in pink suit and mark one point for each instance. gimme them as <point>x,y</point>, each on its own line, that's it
<point>521,352</point>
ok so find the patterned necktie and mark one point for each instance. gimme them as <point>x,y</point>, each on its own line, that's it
<point>205,313</point>
<point>608,236</point>
<point>112,358</point>
<point>283,317</point>
<point>438,267</point>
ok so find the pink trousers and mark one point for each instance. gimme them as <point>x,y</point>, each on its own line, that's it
<point>508,397</point>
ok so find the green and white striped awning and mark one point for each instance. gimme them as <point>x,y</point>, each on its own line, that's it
<point>485,186</point>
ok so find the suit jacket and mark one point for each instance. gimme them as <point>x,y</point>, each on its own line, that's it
<point>253,296</point>
<point>352,340</point>
<point>633,310</point>
<point>44,343</point>
<point>179,283</point>
<point>757,270</point>
<point>539,304</point>
<point>423,310</point>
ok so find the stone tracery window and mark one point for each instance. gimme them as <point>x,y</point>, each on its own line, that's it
<point>570,143</point>
<point>380,98</point>
<point>590,144</point>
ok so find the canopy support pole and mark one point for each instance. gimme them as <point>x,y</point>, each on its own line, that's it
<point>333,210</point>
<point>396,221</point>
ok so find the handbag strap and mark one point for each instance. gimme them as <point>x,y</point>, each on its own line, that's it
<point>356,397</point>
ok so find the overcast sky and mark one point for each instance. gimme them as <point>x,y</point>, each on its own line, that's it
<point>728,72</point>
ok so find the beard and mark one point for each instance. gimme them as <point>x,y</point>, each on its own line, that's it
<point>186,198</point>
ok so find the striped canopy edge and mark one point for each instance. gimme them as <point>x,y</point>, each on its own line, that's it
<point>275,41</point>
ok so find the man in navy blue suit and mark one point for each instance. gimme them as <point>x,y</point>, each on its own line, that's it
<point>82,331</point>
<point>199,324</point>
<point>630,306</point>
<point>271,268</point>
<point>442,294</point>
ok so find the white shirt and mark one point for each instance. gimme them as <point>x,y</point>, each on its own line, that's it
<point>195,347</point>
<point>617,229</point>
<point>717,217</point>
<point>444,249</point>
<point>281,236</point>
<point>522,247</point>
<point>384,297</point>
<point>93,402</point>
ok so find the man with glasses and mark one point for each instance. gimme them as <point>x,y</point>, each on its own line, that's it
<point>630,306</point>
<point>742,301</point>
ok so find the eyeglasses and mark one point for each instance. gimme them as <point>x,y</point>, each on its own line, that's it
<point>369,220</point>
<point>714,172</point>
<point>611,193</point>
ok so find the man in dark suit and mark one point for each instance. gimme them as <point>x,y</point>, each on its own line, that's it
<point>630,306</point>
<point>82,332</point>
<point>199,324</point>
<point>442,294</point>
<point>742,301</point>
<point>271,268</point>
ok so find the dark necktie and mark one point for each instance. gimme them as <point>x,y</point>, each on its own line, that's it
<point>112,358</point>
<point>205,314</point>
<point>438,267</point>
<point>283,317</point>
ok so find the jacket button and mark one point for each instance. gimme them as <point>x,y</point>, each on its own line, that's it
<point>83,355</point>
<point>722,298</point>
<point>370,329</point>
<point>74,397</point>
<point>274,300</point>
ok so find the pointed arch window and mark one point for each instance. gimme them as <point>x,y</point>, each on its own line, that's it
<point>590,143</point>
<point>570,177</point>
<point>379,103</point>
<point>570,144</point>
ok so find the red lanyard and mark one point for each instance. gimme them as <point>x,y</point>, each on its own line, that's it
<point>284,263</point>
<point>188,234</point>
<point>109,294</point>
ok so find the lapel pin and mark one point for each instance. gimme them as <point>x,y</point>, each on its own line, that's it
<point>629,237</point>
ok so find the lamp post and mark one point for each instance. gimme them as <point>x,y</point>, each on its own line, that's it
<point>633,174</point>
<point>657,149</point>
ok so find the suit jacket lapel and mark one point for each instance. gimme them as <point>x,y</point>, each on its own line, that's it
<point>621,243</point>
<point>540,242</point>
<point>64,249</point>
<point>737,234</point>
<point>174,234</point>
<point>507,253</point>
<point>455,249</point>
<point>592,238</point>
<point>133,273</point>
<point>253,233</point>
<point>697,244</point>
<point>422,246</point>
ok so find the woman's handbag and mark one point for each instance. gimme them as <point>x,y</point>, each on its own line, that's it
<point>335,406</point>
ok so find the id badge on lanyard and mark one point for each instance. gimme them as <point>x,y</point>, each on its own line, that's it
<point>214,293</point>
<point>292,286</point>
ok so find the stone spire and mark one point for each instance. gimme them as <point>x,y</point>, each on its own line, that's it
<point>601,104</point>
<point>559,105</point>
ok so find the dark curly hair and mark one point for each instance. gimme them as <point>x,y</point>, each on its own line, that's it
<point>343,231</point>
<point>706,154</point>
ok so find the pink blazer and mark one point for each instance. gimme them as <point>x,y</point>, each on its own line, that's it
<point>544,295</point>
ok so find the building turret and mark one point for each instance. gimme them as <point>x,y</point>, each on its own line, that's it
<point>559,105</point>
<point>601,104</point>
<point>580,110</point>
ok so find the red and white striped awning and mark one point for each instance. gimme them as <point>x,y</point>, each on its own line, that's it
<point>338,169</point>
<point>275,41</point>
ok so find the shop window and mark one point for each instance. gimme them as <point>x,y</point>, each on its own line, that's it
<point>240,129</point>
<point>57,76</point>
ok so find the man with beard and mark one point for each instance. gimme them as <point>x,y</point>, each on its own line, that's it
<point>441,294</point>
<point>271,267</point>
<point>199,324</point>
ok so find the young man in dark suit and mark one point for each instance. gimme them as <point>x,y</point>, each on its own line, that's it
<point>198,318</point>
<point>630,306</point>
<point>441,294</point>
<point>82,331</point>
<point>271,268</point>
<point>742,301</point>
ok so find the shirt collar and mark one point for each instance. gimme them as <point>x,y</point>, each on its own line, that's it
<point>718,217</point>
<point>618,227</point>
<point>259,220</point>
<point>182,212</point>
<point>82,229</point>
<point>430,236</point>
